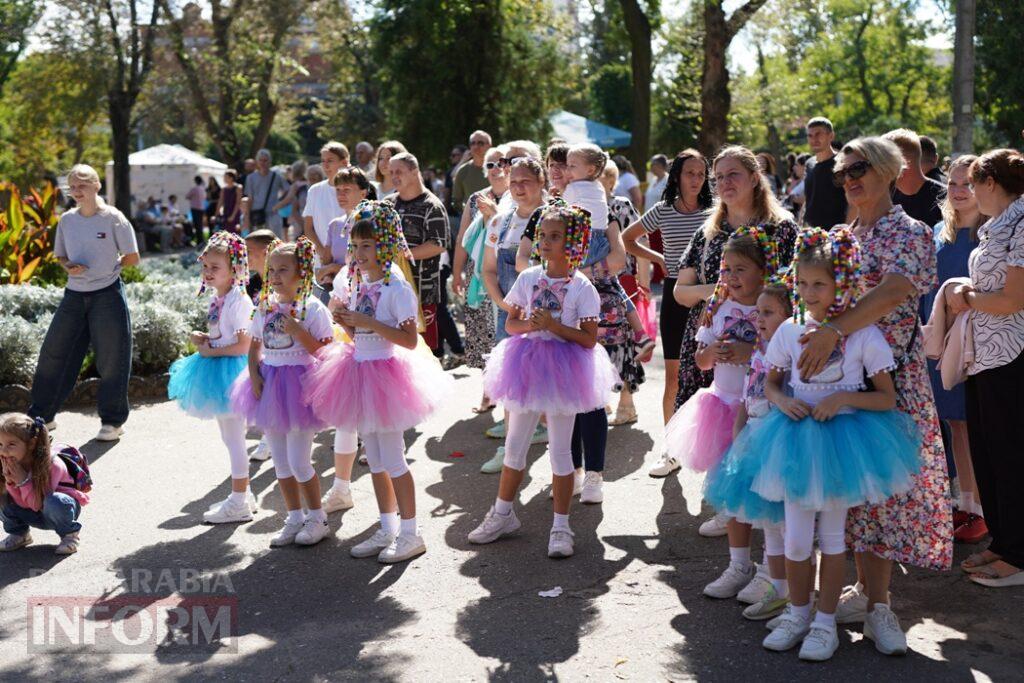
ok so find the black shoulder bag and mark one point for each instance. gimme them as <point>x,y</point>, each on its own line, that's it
<point>258,217</point>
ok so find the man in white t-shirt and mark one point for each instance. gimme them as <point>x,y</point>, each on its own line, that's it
<point>659,169</point>
<point>321,200</point>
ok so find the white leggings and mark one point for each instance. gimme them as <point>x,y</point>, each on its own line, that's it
<point>800,532</point>
<point>292,454</point>
<point>773,543</point>
<point>385,452</point>
<point>345,442</point>
<point>520,430</point>
<point>232,433</point>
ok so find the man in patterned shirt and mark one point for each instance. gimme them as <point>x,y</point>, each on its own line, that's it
<point>425,224</point>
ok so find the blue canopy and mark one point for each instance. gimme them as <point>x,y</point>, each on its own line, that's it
<point>574,129</point>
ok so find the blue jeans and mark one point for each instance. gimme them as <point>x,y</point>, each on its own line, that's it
<point>99,319</point>
<point>60,513</point>
<point>506,278</point>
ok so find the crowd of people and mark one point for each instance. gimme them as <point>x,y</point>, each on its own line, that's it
<point>794,323</point>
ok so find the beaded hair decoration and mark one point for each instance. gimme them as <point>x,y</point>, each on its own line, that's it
<point>387,231</point>
<point>769,248</point>
<point>844,251</point>
<point>303,250</point>
<point>237,257</point>
<point>577,230</point>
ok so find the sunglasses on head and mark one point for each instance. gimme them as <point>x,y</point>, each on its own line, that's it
<point>508,161</point>
<point>854,171</point>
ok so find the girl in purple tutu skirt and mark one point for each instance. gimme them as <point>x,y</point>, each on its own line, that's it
<point>550,365</point>
<point>288,327</point>
<point>701,430</point>
<point>378,387</point>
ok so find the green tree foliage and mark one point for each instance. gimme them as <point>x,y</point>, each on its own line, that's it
<point>999,88</point>
<point>17,17</point>
<point>448,68</point>
<point>676,98</point>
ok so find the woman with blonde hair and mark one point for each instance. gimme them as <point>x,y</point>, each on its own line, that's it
<point>742,198</point>
<point>94,241</point>
<point>956,236</point>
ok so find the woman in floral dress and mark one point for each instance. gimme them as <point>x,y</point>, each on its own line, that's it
<point>898,267</point>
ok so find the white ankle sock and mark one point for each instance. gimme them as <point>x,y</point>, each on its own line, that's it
<point>969,504</point>
<point>389,522</point>
<point>561,522</point>
<point>294,517</point>
<point>802,611</point>
<point>237,496</point>
<point>407,527</point>
<point>826,620</point>
<point>318,514</point>
<point>740,557</point>
<point>341,485</point>
<point>502,507</point>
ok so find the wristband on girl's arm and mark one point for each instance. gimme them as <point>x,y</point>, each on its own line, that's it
<point>834,328</point>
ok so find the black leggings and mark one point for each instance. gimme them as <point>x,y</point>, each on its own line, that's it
<point>590,437</point>
<point>995,431</point>
<point>446,329</point>
<point>672,321</point>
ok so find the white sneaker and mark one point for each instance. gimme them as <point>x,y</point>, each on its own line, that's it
<point>261,453</point>
<point>250,498</point>
<point>731,582</point>
<point>287,534</point>
<point>578,477</point>
<point>403,547</point>
<point>853,605</point>
<point>820,644</point>
<point>372,546</point>
<point>14,542</point>
<point>665,466</point>
<point>788,634</point>
<point>593,488</point>
<point>494,527</point>
<point>68,544</point>
<point>109,433</point>
<point>882,626</point>
<point>335,500</point>
<point>758,588</point>
<point>229,512</point>
<point>560,543</point>
<point>771,624</point>
<point>313,531</point>
<point>716,526</point>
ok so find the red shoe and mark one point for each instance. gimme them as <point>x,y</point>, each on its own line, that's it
<point>973,531</point>
<point>960,518</point>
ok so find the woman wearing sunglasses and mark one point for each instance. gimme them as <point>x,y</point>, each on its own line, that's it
<point>898,267</point>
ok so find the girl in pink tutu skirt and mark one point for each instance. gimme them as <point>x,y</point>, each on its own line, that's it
<point>378,387</point>
<point>701,430</point>
<point>288,327</point>
<point>550,365</point>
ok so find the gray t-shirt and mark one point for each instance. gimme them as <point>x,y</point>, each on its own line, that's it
<point>264,191</point>
<point>94,242</point>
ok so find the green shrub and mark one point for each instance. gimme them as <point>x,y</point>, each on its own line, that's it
<point>19,349</point>
<point>130,274</point>
<point>159,337</point>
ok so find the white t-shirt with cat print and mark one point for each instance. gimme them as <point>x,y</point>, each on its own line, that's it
<point>736,322</point>
<point>228,315</point>
<point>279,348</point>
<point>571,300</point>
<point>864,350</point>
<point>393,304</point>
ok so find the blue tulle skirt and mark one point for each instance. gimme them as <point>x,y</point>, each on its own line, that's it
<point>201,384</point>
<point>852,459</point>
<point>727,486</point>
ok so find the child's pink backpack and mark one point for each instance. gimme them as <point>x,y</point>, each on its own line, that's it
<point>77,464</point>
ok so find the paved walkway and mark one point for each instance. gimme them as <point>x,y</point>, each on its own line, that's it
<point>631,606</point>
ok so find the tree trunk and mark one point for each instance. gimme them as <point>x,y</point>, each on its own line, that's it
<point>639,28</point>
<point>715,100</point>
<point>120,112</point>
<point>963,78</point>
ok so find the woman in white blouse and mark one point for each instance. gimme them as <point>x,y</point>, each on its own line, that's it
<point>995,385</point>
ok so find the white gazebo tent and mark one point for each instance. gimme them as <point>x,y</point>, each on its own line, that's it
<point>163,170</point>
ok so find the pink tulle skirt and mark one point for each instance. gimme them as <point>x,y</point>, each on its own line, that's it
<point>529,374</point>
<point>701,431</point>
<point>281,407</point>
<point>368,396</point>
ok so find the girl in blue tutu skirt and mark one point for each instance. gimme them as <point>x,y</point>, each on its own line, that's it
<point>836,443</point>
<point>200,383</point>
